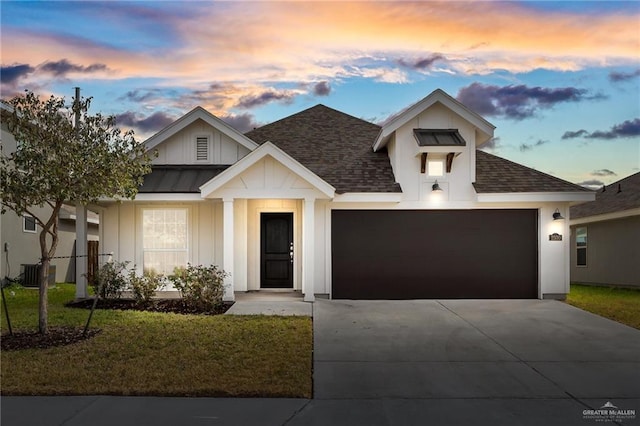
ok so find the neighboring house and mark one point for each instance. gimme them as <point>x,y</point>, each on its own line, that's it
<point>605,235</point>
<point>328,204</point>
<point>19,235</point>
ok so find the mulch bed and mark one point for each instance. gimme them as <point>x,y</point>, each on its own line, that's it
<point>60,336</point>
<point>56,336</point>
<point>175,306</point>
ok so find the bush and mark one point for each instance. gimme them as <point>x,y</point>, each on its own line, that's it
<point>110,282</point>
<point>145,286</point>
<point>201,287</point>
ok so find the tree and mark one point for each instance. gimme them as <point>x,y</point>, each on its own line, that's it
<point>59,159</point>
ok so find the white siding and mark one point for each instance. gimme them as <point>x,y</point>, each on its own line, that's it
<point>181,148</point>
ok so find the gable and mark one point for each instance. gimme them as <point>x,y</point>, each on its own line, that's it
<point>199,143</point>
<point>446,110</point>
<point>199,137</point>
<point>267,172</point>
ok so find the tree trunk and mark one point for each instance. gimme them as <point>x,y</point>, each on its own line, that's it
<point>44,284</point>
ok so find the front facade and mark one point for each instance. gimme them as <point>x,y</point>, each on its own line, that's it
<point>605,235</point>
<point>328,204</point>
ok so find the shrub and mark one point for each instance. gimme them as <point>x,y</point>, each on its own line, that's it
<point>110,280</point>
<point>145,286</point>
<point>201,287</point>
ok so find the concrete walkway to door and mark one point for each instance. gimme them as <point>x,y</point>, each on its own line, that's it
<point>468,362</point>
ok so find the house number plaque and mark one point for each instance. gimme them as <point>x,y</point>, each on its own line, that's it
<point>555,237</point>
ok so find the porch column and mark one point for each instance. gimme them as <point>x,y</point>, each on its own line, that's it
<point>81,251</point>
<point>227,248</point>
<point>308,252</point>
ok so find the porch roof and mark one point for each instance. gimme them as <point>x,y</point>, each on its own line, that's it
<point>179,178</point>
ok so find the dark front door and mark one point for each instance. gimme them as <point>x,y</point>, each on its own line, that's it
<point>276,250</point>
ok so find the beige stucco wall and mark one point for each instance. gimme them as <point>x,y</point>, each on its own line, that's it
<point>613,253</point>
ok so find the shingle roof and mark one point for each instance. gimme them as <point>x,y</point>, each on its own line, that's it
<point>335,146</point>
<point>179,179</point>
<point>496,175</point>
<point>611,200</point>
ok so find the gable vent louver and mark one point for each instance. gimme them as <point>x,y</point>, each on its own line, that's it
<point>202,148</point>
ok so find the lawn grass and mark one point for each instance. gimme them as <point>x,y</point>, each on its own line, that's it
<point>143,353</point>
<point>619,304</point>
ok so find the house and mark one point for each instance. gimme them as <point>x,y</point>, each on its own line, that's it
<point>19,235</point>
<point>605,235</point>
<point>328,204</point>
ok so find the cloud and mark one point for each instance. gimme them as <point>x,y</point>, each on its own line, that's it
<point>527,147</point>
<point>153,123</point>
<point>492,144</point>
<point>603,172</point>
<point>10,74</point>
<point>515,102</point>
<point>63,67</point>
<point>241,122</point>
<point>322,89</point>
<point>577,134</point>
<point>626,129</point>
<point>256,100</point>
<point>617,76</point>
<point>422,63</point>
<point>591,183</point>
<point>138,96</point>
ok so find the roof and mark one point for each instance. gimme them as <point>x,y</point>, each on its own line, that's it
<point>335,146</point>
<point>179,179</point>
<point>438,137</point>
<point>497,175</point>
<point>610,200</point>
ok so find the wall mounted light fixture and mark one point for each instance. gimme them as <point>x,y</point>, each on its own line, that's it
<point>557,215</point>
<point>435,187</point>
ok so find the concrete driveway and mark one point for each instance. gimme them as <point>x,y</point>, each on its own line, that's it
<point>468,362</point>
<point>456,362</point>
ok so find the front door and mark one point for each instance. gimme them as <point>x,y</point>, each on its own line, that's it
<point>276,250</point>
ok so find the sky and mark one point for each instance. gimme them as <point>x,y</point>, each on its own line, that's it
<point>559,80</point>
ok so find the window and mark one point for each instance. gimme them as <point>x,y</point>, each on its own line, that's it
<point>435,168</point>
<point>202,148</point>
<point>28,224</point>
<point>164,239</point>
<point>581,246</point>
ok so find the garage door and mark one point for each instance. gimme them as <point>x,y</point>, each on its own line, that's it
<point>443,254</point>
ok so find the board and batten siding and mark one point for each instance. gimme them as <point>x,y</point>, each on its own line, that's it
<point>204,221</point>
<point>183,147</point>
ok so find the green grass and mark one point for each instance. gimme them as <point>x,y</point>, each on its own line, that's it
<point>143,353</point>
<point>619,304</point>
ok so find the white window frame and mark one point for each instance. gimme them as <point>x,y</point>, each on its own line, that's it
<point>208,148</point>
<point>24,224</point>
<point>186,250</point>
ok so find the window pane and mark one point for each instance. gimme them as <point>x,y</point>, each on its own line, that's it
<point>581,237</point>
<point>29,223</point>
<point>164,239</point>
<point>436,168</point>
<point>582,256</point>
